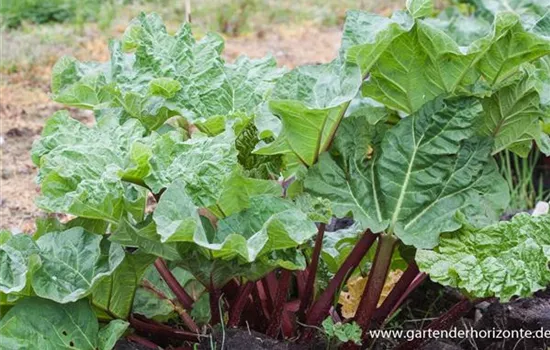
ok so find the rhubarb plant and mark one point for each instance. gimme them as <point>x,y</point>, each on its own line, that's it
<point>208,192</point>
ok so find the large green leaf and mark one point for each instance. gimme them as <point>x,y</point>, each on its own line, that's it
<point>15,262</point>
<point>218,272</point>
<point>366,35</point>
<point>512,117</point>
<point>269,224</point>
<point>36,323</point>
<point>311,101</point>
<point>177,217</point>
<point>542,84</point>
<point>504,260</point>
<point>115,293</point>
<point>153,75</point>
<point>434,62</point>
<point>81,168</point>
<point>73,263</point>
<point>239,190</point>
<point>111,333</point>
<point>501,53</point>
<point>425,170</point>
<point>143,235</point>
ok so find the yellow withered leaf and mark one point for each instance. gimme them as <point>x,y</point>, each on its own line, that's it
<point>355,287</point>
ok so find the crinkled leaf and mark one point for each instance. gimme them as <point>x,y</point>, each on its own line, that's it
<point>503,260</point>
<point>434,65</point>
<point>317,209</point>
<point>463,29</point>
<point>533,13</point>
<point>319,86</point>
<point>426,169</point>
<point>255,165</point>
<point>81,168</point>
<point>512,117</point>
<point>73,263</point>
<point>202,163</point>
<point>35,323</point>
<point>247,137</point>
<point>153,76</point>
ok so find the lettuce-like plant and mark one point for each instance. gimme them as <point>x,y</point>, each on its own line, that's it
<point>207,191</point>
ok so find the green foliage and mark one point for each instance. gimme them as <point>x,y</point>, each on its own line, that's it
<point>503,260</point>
<point>39,323</point>
<point>14,12</point>
<point>344,332</point>
<point>526,185</point>
<point>433,149</point>
<point>244,160</point>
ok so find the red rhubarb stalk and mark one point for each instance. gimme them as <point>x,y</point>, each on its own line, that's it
<point>142,341</point>
<point>186,318</point>
<point>319,310</point>
<point>214,296</point>
<point>160,331</point>
<point>239,304</point>
<point>393,299</point>
<point>279,304</point>
<point>260,307</point>
<point>415,283</point>
<point>375,284</point>
<point>180,293</point>
<point>307,295</point>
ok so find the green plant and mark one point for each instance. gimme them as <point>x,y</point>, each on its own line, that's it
<point>14,12</point>
<point>526,188</point>
<point>233,17</point>
<point>344,332</point>
<point>399,132</point>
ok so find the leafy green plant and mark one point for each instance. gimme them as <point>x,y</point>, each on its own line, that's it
<point>14,12</point>
<point>250,164</point>
<point>344,332</point>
